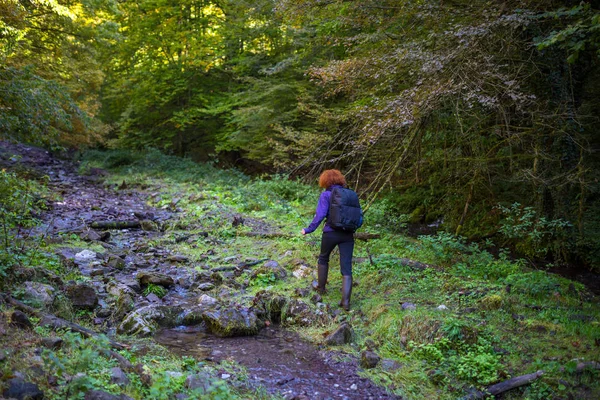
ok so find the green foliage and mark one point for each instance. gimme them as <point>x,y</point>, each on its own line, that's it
<point>20,201</point>
<point>538,284</point>
<point>534,235</point>
<point>156,289</point>
<point>581,33</point>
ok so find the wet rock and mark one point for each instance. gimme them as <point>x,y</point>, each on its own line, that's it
<point>101,395</point>
<point>207,301</point>
<point>20,389</point>
<point>90,236</point>
<point>132,284</point>
<point>369,359</point>
<point>230,321</point>
<point>19,319</point>
<point>302,272</point>
<point>216,277</point>
<point>269,306</point>
<point>409,306</point>
<point>178,258</point>
<point>148,225</point>
<point>118,377</point>
<point>297,312</point>
<point>342,335</point>
<point>145,278</point>
<point>302,292</point>
<point>200,382</point>
<point>52,342</point>
<point>152,298</point>
<point>390,365</point>
<point>85,256</point>
<point>146,320</point>
<point>82,296</point>
<point>39,293</point>
<point>115,262</point>
<point>205,286</point>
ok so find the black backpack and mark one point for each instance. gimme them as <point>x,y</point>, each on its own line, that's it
<point>345,213</point>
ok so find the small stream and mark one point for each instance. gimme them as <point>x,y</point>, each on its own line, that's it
<point>280,361</point>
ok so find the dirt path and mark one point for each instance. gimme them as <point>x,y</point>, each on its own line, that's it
<point>276,359</point>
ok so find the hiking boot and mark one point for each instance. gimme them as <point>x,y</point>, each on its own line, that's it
<point>322,273</point>
<point>346,292</point>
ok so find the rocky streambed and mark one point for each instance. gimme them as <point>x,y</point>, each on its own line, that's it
<point>135,286</point>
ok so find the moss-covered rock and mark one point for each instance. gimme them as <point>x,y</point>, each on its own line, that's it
<point>231,321</point>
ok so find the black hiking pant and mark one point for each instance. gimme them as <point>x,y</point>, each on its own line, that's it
<point>345,243</point>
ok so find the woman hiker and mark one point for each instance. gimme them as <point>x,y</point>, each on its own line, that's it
<point>329,180</point>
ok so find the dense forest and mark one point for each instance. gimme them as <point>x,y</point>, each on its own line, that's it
<point>158,161</point>
<point>476,116</point>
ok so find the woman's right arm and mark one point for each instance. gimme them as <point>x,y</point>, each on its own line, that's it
<point>320,214</point>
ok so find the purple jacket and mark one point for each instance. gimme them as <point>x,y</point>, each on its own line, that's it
<point>322,211</point>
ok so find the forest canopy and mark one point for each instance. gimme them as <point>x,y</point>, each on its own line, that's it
<point>479,116</point>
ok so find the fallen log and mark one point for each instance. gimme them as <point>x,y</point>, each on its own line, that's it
<point>240,267</point>
<point>414,264</point>
<point>581,366</point>
<point>502,387</point>
<point>357,235</point>
<point>58,323</point>
<point>116,224</point>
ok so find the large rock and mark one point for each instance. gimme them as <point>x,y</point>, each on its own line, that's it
<point>369,359</point>
<point>119,377</point>
<point>18,318</point>
<point>21,390</point>
<point>116,262</point>
<point>269,305</point>
<point>146,320</point>
<point>298,312</point>
<point>146,278</point>
<point>39,293</point>
<point>342,335</point>
<point>230,321</point>
<point>82,296</point>
<point>199,383</point>
<point>100,395</point>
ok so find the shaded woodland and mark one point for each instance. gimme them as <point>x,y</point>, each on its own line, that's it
<point>479,117</point>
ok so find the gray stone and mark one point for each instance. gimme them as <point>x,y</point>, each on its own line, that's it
<point>119,377</point>
<point>39,293</point>
<point>115,262</point>
<point>19,389</point>
<point>442,307</point>
<point>21,320</point>
<point>409,306</point>
<point>390,365</point>
<point>297,312</point>
<point>90,235</point>
<point>146,278</point>
<point>101,395</point>
<point>207,301</point>
<point>146,320</point>
<point>369,359</point>
<point>342,335</point>
<point>52,342</point>
<point>231,321</point>
<point>82,296</point>
<point>200,383</point>
<point>85,256</point>
<point>205,286</point>
<point>153,298</point>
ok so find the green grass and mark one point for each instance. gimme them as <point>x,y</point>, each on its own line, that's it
<point>502,319</point>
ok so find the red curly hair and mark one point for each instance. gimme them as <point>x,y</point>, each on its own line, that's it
<point>331,177</point>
